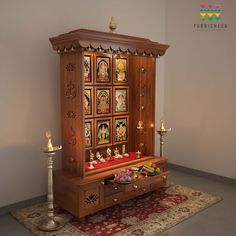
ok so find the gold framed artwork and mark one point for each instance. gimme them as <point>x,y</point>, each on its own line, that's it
<point>103,100</point>
<point>88,101</point>
<point>88,134</point>
<point>103,68</point>
<point>88,61</point>
<point>120,99</point>
<point>103,132</point>
<point>120,68</point>
<point>120,129</point>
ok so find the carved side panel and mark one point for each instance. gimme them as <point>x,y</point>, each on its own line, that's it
<point>72,113</point>
<point>91,198</point>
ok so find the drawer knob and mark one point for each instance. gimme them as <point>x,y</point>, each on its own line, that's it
<point>115,187</point>
<point>135,186</point>
<point>164,177</point>
<point>115,199</point>
<point>102,182</point>
<point>144,189</point>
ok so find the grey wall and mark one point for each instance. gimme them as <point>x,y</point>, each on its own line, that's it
<point>200,89</point>
<point>29,77</point>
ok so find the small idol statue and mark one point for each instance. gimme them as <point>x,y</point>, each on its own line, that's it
<point>99,157</point>
<point>91,166</point>
<point>108,154</point>
<point>116,153</point>
<point>94,162</point>
<point>138,154</point>
<point>102,159</point>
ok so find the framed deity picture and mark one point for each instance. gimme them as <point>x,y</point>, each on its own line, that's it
<point>120,99</point>
<point>88,133</point>
<point>103,132</point>
<point>103,69</point>
<point>103,101</point>
<point>120,129</point>
<point>88,101</point>
<point>88,59</point>
<point>120,68</point>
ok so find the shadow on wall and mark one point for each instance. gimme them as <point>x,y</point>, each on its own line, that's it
<point>23,173</point>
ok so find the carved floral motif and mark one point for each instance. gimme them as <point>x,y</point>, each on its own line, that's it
<point>70,90</point>
<point>91,199</point>
<point>71,114</point>
<point>72,137</point>
<point>70,67</point>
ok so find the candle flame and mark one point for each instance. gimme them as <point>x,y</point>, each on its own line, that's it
<point>162,128</point>
<point>48,134</point>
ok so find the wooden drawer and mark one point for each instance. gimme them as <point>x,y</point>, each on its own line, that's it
<point>122,196</point>
<point>134,186</point>
<point>111,189</point>
<point>139,183</point>
<point>157,184</point>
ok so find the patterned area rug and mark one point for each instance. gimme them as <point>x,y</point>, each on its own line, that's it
<point>146,215</point>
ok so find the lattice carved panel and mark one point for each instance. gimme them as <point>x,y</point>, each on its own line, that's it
<point>91,198</point>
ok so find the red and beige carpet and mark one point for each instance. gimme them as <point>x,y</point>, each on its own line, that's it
<point>148,215</point>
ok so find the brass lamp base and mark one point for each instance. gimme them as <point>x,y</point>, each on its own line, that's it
<point>50,225</point>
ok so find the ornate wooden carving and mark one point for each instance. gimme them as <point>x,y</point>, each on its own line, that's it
<point>91,40</point>
<point>70,90</point>
<point>91,199</point>
<point>72,137</point>
<point>70,67</point>
<point>71,114</point>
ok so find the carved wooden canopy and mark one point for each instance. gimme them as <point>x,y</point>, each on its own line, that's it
<point>91,40</point>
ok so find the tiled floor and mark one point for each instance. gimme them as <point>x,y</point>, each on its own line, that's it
<point>218,220</point>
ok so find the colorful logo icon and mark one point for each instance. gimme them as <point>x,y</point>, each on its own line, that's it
<point>210,12</point>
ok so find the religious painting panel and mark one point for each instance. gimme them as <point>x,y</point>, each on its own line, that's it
<point>88,78</point>
<point>120,70</point>
<point>120,129</point>
<point>120,99</point>
<point>88,133</point>
<point>103,132</point>
<point>103,69</point>
<point>103,101</point>
<point>88,101</point>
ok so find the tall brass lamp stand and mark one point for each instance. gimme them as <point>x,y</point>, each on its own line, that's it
<point>162,132</point>
<point>50,222</point>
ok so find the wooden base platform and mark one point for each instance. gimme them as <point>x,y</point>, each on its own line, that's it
<point>82,196</point>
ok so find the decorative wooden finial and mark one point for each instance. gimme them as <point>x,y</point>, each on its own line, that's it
<point>112,24</point>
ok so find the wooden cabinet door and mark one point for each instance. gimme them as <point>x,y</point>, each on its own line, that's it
<point>91,198</point>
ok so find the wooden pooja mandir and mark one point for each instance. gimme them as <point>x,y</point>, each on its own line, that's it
<point>107,101</point>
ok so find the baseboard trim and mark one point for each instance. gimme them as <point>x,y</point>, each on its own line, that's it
<point>6,209</point>
<point>203,174</point>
